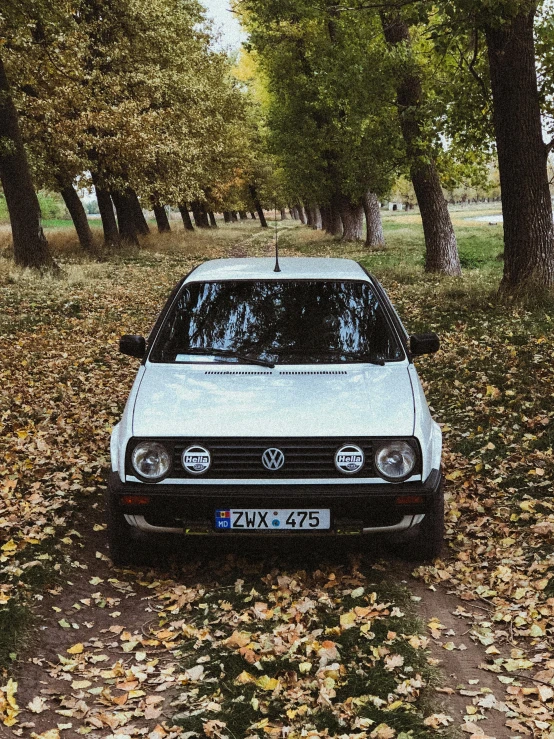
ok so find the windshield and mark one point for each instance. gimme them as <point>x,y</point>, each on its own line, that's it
<point>286,322</point>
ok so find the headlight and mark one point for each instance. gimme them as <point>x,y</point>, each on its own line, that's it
<point>151,460</point>
<point>395,460</point>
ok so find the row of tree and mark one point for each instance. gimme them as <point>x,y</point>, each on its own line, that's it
<point>130,97</point>
<point>359,92</point>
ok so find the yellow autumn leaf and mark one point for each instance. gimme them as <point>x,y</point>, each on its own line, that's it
<point>347,620</point>
<point>244,678</point>
<point>267,683</point>
<point>75,649</point>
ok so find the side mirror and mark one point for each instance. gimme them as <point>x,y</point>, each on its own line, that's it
<point>424,343</point>
<point>134,346</point>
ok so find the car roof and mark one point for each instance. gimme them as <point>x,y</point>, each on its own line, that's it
<point>256,268</point>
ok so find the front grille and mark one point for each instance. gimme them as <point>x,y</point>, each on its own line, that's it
<point>242,458</point>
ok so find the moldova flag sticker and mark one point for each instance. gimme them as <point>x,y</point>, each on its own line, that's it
<point>223,519</point>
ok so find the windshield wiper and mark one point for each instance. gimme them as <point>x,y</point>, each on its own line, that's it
<point>336,353</point>
<point>207,350</point>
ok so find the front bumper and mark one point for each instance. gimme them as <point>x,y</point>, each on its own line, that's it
<point>372,508</point>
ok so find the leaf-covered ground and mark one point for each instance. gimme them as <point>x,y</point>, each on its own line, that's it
<point>268,647</point>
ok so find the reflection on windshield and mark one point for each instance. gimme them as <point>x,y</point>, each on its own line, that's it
<point>292,322</point>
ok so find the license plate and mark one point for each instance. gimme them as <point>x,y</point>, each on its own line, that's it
<point>272,519</point>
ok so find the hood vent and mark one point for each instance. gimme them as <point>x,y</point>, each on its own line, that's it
<point>314,372</point>
<point>236,372</point>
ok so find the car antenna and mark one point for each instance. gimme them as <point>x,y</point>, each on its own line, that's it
<point>276,268</point>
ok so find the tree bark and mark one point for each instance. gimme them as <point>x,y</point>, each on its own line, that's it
<point>335,221</point>
<point>126,218</point>
<point>234,216</point>
<point>185,215</point>
<point>257,205</point>
<point>79,218</point>
<point>162,220</point>
<point>253,215</point>
<point>105,206</point>
<point>292,214</point>
<point>301,213</point>
<point>141,223</point>
<point>316,218</point>
<point>522,157</point>
<point>440,241</point>
<point>243,215</point>
<point>375,236</point>
<point>284,216</point>
<point>227,216</point>
<point>352,216</point>
<point>213,222</point>
<point>200,214</point>
<point>309,215</point>
<point>29,242</point>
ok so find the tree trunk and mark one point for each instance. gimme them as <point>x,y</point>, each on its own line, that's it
<point>227,216</point>
<point>375,236</point>
<point>126,218</point>
<point>522,157</point>
<point>161,218</point>
<point>141,223</point>
<point>301,213</point>
<point>257,205</point>
<point>352,216</point>
<point>234,216</point>
<point>284,216</point>
<point>335,221</point>
<point>309,215</point>
<point>185,215</point>
<point>79,218</point>
<point>440,241</point>
<point>200,214</point>
<point>105,206</point>
<point>243,215</point>
<point>292,214</point>
<point>253,215</point>
<point>324,210</point>
<point>29,242</point>
<point>211,216</point>
<point>316,218</point>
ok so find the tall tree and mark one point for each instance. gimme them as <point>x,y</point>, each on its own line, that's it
<point>441,253</point>
<point>30,245</point>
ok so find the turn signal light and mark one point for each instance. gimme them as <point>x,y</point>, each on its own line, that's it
<point>409,499</point>
<point>135,499</point>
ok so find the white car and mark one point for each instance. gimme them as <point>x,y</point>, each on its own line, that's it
<point>276,403</point>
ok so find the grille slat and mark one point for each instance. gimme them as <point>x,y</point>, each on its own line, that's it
<point>242,458</point>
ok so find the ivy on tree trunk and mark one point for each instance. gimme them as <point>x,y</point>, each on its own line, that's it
<point>29,242</point>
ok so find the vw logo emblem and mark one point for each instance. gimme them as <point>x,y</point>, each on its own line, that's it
<point>273,459</point>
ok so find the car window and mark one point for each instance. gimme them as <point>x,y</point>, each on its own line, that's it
<point>289,321</point>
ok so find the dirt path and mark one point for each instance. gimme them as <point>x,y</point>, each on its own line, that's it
<point>100,628</point>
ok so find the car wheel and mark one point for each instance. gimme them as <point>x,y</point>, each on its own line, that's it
<point>429,540</point>
<point>122,539</point>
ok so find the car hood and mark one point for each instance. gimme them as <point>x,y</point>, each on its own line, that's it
<point>188,400</point>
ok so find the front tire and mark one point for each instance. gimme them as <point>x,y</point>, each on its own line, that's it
<point>122,542</point>
<point>429,542</point>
